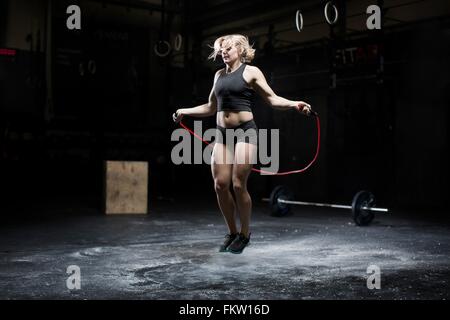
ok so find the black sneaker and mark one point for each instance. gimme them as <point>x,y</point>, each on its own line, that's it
<point>227,241</point>
<point>238,245</point>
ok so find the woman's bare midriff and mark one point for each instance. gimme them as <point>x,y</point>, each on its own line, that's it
<point>230,119</point>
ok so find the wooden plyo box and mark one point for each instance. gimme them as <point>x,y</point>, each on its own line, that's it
<point>126,187</point>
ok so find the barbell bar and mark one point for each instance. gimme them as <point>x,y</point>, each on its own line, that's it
<point>338,206</point>
<point>363,205</point>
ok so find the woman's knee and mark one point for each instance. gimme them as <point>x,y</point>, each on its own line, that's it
<point>221,185</point>
<point>239,185</point>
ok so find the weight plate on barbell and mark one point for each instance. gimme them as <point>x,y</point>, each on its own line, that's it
<point>363,217</point>
<point>277,208</point>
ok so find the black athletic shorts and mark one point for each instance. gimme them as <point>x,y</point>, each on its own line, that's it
<point>245,132</point>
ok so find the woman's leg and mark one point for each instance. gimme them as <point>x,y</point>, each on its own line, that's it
<point>221,167</point>
<point>245,157</point>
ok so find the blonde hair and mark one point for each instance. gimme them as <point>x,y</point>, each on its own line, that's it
<point>246,52</point>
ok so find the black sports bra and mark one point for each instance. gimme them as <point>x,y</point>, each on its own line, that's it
<point>232,92</point>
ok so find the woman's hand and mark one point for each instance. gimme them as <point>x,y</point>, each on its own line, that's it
<point>303,107</point>
<point>178,115</point>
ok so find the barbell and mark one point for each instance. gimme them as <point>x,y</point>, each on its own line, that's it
<point>363,205</point>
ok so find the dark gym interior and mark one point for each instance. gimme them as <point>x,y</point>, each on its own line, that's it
<point>72,100</point>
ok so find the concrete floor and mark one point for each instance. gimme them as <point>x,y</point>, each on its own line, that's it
<point>171,253</point>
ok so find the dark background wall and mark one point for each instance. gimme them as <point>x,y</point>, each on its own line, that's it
<point>72,99</point>
<point>3,14</point>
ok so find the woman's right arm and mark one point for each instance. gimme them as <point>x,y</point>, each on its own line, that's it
<point>204,110</point>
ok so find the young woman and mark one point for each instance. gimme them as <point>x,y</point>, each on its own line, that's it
<point>231,100</point>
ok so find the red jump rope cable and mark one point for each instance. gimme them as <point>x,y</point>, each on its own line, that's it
<point>285,173</point>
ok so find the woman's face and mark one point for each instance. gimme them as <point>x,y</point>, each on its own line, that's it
<point>229,53</point>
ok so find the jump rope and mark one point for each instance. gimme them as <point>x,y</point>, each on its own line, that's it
<point>284,173</point>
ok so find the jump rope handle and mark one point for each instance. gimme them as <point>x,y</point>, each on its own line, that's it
<point>312,112</point>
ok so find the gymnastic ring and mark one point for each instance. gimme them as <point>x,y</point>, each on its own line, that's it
<point>335,12</point>
<point>299,21</point>
<point>92,66</point>
<point>178,42</point>
<point>159,54</point>
<point>81,69</point>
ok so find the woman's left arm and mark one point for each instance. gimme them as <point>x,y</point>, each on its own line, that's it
<point>260,85</point>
